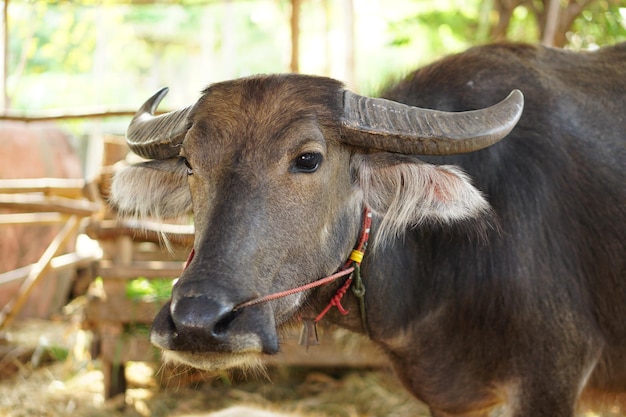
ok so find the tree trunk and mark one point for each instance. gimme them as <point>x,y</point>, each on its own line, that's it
<point>504,9</point>
<point>553,19</point>
<point>551,23</point>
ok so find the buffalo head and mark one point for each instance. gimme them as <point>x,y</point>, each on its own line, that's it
<point>276,171</point>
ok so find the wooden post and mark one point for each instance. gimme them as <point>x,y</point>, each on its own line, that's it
<point>295,35</point>
<point>229,41</point>
<point>328,50</point>
<point>113,367</point>
<point>552,22</point>
<point>350,62</point>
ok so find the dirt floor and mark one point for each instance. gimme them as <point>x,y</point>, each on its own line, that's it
<point>44,371</point>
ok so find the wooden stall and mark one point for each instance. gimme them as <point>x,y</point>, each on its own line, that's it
<point>37,202</point>
<point>44,201</point>
<point>121,324</point>
<point>130,250</point>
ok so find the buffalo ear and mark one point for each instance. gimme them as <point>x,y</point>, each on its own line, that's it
<point>155,189</point>
<point>407,192</point>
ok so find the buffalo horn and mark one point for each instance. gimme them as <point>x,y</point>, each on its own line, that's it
<point>157,137</point>
<point>396,127</point>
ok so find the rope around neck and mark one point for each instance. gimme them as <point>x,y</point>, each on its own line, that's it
<point>292,291</point>
<point>352,268</point>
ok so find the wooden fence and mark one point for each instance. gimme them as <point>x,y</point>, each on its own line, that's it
<point>44,201</point>
<point>129,250</point>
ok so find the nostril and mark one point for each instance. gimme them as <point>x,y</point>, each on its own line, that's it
<point>200,317</point>
<point>222,325</point>
<point>205,324</point>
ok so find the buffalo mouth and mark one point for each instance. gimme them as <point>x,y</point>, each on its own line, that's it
<point>215,361</point>
<point>201,333</point>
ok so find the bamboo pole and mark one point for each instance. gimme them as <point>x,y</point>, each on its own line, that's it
<point>148,231</point>
<point>32,218</point>
<point>40,203</point>
<point>62,187</point>
<point>65,115</point>
<point>10,311</point>
<point>60,263</point>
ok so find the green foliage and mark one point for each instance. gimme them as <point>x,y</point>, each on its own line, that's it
<point>604,22</point>
<point>461,27</point>
<point>442,27</point>
<point>64,42</point>
<point>148,290</point>
<point>523,26</point>
<point>106,53</point>
<point>58,353</point>
<point>100,53</point>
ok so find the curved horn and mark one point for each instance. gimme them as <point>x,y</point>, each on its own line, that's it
<point>396,127</point>
<point>157,137</point>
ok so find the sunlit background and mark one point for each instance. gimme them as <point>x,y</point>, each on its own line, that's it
<point>94,56</point>
<point>83,54</point>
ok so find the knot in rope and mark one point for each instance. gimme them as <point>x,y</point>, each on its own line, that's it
<point>354,262</point>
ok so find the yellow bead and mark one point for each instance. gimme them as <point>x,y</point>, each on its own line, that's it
<point>357,256</point>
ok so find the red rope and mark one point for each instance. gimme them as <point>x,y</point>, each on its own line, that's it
<point>191,255</point>
<point>355,257</point>
<point>336,300</point>
<point>305,287</point>
<point>360,249</point>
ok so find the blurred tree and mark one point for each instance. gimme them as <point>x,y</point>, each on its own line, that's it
<point>555,19</point>
<point>35,48</point>
<point>571,23</point>
<point>441,27</point>
<point>109,52</point>
<point>604,22</point>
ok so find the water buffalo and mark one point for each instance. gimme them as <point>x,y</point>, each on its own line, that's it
<point>512,307</point>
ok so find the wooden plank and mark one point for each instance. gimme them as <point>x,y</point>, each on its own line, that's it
<point>65,115</point>
<point>118,308</point>
<point>32,218</point>
<point>145,251</point>
<point>147,231</point>
<point>122,347</point>
<point>60,263</point>
<point>62,187</point>
<point>146,269</point>
<point>40,203</point>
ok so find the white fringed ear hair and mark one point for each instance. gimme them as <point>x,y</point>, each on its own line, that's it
<point>406,192</point>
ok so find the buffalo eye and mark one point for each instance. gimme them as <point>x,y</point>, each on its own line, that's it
<point>188,165</point>
<point>307,162</point>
